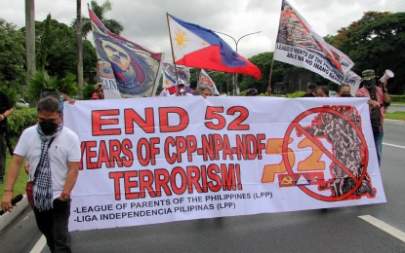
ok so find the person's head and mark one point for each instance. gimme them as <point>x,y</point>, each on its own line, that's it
<point>49,115</point>
<point>321,91</point>
<point>205,92</point>
<point>252,92</point>
<point>311,90</point>
<point>368,77</point>
<point>345,90</point>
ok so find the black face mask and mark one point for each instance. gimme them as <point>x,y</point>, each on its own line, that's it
<point>346,95</point>
<point>48,127</point>
<point>369,84</point>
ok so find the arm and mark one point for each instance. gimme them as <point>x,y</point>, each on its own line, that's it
<point>6,114</point>
<point>71,178</point>
<point>12,174</point>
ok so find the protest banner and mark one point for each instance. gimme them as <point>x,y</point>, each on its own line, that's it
<point>155,160</point>
<point>124,68</point>
<point>297,44</point>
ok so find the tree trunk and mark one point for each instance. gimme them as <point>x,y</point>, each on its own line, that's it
<point>30,37</point>
<point>79,46</point>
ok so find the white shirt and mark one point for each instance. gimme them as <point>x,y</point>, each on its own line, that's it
<point>64,148</point>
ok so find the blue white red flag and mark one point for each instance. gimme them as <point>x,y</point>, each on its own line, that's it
<point>125,68</point>
<point>199,47</point>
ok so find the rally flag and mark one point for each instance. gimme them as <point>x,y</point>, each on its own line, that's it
<point>199,47</point>
<point>171,79</point>
<point>297,44</point>
<point>124,68</point>
<point>205,81</point>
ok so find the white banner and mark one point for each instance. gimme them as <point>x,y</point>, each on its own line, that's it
<point>154,160</point>
<point>297,44</point>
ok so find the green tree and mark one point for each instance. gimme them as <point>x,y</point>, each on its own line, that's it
<point>376,41</point>
<point>42,81</point>
<point>56,52</point>
<point>100,10</point>
<point>12,56</point>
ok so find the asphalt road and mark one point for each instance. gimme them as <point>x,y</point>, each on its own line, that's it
<point>333,230</point>
<point>396,108</point>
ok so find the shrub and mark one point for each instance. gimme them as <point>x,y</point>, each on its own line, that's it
<point>296,94</point>
<point>19,120</point>
<point>398,98</point>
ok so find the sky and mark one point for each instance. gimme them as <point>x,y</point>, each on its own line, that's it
<point>145,22</point>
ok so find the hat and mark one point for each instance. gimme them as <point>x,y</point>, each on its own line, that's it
<point>368,74</point>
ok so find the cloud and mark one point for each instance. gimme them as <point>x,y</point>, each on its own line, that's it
<point>145,21</point>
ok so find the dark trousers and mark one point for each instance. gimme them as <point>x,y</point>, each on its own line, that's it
<point>3,149</point>
<point>54,225</point>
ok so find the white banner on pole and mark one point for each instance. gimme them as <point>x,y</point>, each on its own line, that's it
<point>299,45</point>
<point>155,160</point>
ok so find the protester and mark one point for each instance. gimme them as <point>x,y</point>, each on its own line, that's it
<point>205,92</point>
<point>60,96</point>
<point>378,98</point>
<point>321,91</point>
<point>252,92</point>
<point>53,154</point>
<point>98,93</point>
<point>310,91</point>
<point>387,99</point>
<point>344,90</point>
<point>5,111</point>
<point>182,89</point>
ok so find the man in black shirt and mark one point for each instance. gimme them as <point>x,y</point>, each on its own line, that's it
<point>5,111</point>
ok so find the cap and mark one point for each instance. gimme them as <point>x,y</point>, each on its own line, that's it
<point>368,74</point>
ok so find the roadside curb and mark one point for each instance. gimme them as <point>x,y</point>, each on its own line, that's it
<point>7,218</point>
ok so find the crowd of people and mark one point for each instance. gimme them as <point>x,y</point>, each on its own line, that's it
<point>52,151</point>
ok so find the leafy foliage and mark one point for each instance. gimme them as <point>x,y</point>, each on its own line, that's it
<point>12,56</point>
<point>376,41</point>
<point>100,10</point>
<point>19,120</point>
<point>56,44</point>
<point>42,80</point>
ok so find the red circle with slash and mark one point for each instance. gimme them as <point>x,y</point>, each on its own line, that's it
<point>363,145</point>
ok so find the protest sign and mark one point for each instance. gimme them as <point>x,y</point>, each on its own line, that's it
<point>155,160</point>
<point>297,44</point>
<point>124,68</point>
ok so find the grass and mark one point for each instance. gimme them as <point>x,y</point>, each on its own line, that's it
<point>19,186</point>
<point>395,115</point>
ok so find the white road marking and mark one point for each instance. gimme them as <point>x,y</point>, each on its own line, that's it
<point>394,232</point>
<point>39,246</point>
<point>393,145</point>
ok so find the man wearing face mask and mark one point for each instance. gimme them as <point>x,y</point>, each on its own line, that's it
<point>378,98</point>
<point>53,154</point>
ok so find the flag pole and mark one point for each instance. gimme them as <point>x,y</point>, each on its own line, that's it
<point>269,87</point>
<point>171,45</point>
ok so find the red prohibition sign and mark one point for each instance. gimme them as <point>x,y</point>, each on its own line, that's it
<point>363,145</point>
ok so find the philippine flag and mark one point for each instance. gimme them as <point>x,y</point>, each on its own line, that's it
<point>199,47</point>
